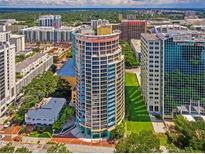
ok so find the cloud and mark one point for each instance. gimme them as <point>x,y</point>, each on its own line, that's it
<point>103,3</point>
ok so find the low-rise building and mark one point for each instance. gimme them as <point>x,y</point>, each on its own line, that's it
<point>46,113</point>
<point>136,47</point>
<point>48,34</point>
<point>30,63</point>
<point>32,67</point>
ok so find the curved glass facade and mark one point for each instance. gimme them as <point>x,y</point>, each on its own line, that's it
<point>99,67</point>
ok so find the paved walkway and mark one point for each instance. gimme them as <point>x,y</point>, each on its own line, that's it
<point>158,124</point>
<point>35,148</point>
<point>35,140</point>
<point>89,149</point>
<point>78,141</point>
<point>39,148</point>
<point>164,149</point>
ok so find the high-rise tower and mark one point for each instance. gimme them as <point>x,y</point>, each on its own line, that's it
<point>173,70</point>
<point>99,64</point>
<point>7,71</point>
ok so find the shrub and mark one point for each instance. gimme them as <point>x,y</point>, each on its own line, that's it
<point>45,135</point>
<point>22,130</point>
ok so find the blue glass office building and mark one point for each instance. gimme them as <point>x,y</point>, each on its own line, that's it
<point>184,72</point>
<point>174,70</point>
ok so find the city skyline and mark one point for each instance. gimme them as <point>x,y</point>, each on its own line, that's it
<point>103,4</point>
<point>90,76</point>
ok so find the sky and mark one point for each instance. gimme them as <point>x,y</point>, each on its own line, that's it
<point>104,3</point>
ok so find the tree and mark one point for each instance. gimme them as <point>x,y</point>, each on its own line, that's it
<point>122,147</point>
<point>130,59</point>
<point>40,87</point>
<point>58,148</point>
<point>22,130</point>
<point>23,150</point>
<point>63,89</point>
<point>18,75</point>
<point>66,113</point>
<point>189,136</point>
<point>7,148</point>
<point>144,142</point>
<point>118,132</point>
<point>36,49</point>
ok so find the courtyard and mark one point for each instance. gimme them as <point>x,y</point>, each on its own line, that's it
<point>137,117</point>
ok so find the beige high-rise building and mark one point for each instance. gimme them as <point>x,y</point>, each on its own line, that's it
<point>19,41</point>
<point>100,99</point>
<point>7,71</point>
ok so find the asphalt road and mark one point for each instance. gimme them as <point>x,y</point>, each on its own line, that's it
<point>74,148</point>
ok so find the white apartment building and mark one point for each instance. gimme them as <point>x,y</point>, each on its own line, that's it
<point>48,34</point>
<point>32,67</point>
<point>151,71</point>
<point>7,72</point>
<point>31,63</point>
<point>19,41</point>
<point>7,21</point>
<point>50,21</point>
<point>46,113</point>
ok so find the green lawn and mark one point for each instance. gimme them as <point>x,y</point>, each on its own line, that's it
<point>163,139</point>
<point>137,118</point>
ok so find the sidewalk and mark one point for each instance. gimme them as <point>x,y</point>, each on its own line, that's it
<point>157,124</point>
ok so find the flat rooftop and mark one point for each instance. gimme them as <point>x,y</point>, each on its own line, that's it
<point>127,20</point>
<point>136,44</point>
<point>49,110</point>
<point>41,28</point>
<point>49,16</point>
<point>179,33</point>
<point>22,65</point>
<point>150,37</point>
<point>16,36</point>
